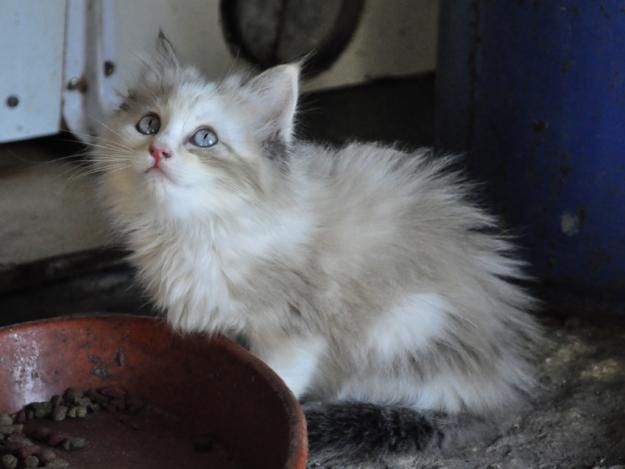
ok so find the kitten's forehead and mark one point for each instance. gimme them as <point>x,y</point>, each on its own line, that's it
<point>184,95</point>
<point>193,98</point>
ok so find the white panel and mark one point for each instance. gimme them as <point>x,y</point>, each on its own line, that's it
<point>32,34</point>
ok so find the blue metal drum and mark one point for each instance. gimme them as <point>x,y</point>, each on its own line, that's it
<point>534,92</point>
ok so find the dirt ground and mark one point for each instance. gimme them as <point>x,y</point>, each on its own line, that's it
<point>577,421</point>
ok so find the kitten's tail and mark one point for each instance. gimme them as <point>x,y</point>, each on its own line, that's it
<point>351,432</point>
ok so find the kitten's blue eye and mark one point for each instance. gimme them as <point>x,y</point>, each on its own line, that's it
<point>149,124</point>
<point>204,137</point>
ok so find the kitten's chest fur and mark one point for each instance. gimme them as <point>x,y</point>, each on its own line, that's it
<point>183,276</point>
<point>218,277</point>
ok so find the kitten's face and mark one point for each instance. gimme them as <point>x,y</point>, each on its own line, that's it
<point>182,146</point>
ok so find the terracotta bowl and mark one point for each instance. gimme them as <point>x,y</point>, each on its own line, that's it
<point>204,387</point>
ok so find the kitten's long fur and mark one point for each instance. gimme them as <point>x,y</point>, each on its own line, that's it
<point>362,275</point>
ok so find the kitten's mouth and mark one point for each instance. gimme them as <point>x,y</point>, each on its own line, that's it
<point>158,171</point>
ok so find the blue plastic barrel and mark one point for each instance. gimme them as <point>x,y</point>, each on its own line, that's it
<point>534,92</point>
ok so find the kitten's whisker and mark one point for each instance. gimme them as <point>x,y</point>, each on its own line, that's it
<point>88,172</point>
<point>107,144</point>
<point>99,122</point>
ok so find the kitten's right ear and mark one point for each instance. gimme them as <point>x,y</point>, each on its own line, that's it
<point>161,63</point>
<point>165,52</point>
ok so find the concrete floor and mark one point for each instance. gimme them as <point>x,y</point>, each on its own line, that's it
<point>575,421</point>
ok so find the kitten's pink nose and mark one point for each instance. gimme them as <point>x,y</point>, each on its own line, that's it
<point>158,153</point>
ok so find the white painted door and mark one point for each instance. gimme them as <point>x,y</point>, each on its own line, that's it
<point>32,35</point>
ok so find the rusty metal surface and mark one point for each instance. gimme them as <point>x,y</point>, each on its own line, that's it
<point>212,385</point>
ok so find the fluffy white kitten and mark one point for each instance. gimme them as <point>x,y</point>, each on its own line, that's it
<point>362,275</point>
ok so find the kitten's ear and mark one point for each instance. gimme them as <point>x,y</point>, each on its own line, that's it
<point>161,63</point>
<point>165,52</point>
<point>273,96</point>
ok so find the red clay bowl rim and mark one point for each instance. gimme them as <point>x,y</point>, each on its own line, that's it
<point>298,448</point>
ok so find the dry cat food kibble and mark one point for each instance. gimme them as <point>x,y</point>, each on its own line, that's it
<point>102,429</point>
<point>22,447</point>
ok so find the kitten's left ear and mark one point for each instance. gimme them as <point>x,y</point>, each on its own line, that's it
<point>273,96</point>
